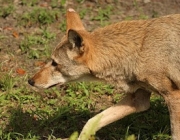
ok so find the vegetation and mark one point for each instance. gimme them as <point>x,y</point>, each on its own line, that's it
<point>36,45</point>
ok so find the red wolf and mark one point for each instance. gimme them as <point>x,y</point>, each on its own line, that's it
<point>138,57</point>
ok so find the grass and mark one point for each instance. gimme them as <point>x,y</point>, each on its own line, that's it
<point>61,112</point>
<point>43,118</point>
<point>6,11</point>
<point>29,2</point>
<point>57,113</point>
<point>39,16</point>
<point>36,45</point>
<point>103,15</point>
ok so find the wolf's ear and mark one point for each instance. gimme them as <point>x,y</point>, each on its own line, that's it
<point>74,38</point>
<point>73,20</point>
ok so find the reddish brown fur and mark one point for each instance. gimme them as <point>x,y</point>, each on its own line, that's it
<point>138,57</point>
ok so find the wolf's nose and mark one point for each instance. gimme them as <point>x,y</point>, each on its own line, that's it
<point>31,82</point>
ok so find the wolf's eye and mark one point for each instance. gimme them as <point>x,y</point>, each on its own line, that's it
<point>54,63</point>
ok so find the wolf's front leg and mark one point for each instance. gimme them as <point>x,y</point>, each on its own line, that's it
<point>136,102</point>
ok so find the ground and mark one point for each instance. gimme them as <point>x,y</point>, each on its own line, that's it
<point>29,30</point>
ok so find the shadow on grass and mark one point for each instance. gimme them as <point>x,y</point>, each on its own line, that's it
<point>151,124</point>
<point>61,125</point>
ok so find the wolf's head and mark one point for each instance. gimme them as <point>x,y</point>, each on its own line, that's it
<point>69,59</point>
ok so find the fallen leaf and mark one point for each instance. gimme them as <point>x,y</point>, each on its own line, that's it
<point>44,4</point>
<point>15,34</point>
<point>20,71</point>
<point>8,28</point>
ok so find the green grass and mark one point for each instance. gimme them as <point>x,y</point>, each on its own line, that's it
<point>103,15</point>
<point>29,2</point>
<point>36,45</point>
<point>57,113</point>
<point>6,10</point>
<point>39,16</point>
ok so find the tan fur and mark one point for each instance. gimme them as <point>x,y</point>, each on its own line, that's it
<point>138,57</point>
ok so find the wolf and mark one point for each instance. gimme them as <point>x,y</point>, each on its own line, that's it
<point>138,57</point>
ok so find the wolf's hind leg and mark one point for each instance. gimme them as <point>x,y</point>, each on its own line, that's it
<point>136,102</point>
<point>173,103</point>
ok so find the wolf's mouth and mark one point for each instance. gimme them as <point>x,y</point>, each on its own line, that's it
<point>55,85</point>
